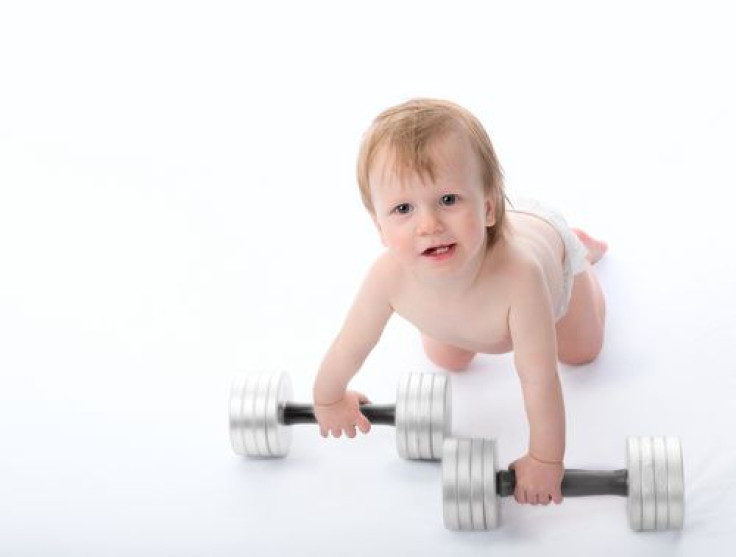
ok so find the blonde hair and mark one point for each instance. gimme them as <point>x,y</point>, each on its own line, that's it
<point>409,130</point>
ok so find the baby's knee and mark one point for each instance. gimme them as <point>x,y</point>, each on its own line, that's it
<point>455,363</point>
<point>446,356</point>
<point>579,354</point>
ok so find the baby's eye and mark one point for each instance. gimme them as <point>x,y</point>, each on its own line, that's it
<point>402,208</point>
<point>449,199</point>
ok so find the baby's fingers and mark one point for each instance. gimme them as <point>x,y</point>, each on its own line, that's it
<point>363,424</point>
<point>544,499</point>
<point>520,495</point>
<point>556,497</point>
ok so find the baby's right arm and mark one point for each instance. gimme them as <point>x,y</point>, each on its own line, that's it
<point>335,408</point>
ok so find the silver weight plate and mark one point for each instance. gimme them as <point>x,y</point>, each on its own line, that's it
<point>469,495</point>
<point>421,409</point>
<point>633,465</point>
<point>441,412</point>
<point>656,484</point>
<point>424,416</point>
<point>464,474</point>
<point>260,407</point>
<point>256,408</point>
<point>449,484</point>
<point>278,435</point>
<point>661,502</point>
<point>242,406</point>
<point>648,502</point>
<point>412,415</point>
<point>675,483</point>
<point>477,492</point>
<point>491,499</point>
<point>401,403</point>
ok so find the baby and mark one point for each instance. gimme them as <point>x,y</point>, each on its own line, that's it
<point>470,274</point>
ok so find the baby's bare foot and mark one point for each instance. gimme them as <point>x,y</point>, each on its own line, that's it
<point>596,248</point>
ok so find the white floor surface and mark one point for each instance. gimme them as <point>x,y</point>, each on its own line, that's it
<point>178,205</point>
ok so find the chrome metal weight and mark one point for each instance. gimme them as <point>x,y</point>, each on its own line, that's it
<point>423,415</point>
<point>472,485</point>
<point>470,499</point>
<point>256,406</point>
<point>656,483</point>
<point>260,415</point>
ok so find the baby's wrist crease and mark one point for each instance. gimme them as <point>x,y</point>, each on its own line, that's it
<point>317,403</point>
<point>544,461</point>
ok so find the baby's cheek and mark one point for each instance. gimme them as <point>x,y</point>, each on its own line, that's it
<point>475,229</point>
<point>395,240</point>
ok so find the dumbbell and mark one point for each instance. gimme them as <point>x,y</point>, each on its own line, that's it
<point>472,485</point>
<point>261,413</point>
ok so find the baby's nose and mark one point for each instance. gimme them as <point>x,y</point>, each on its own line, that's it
<point>428,223</point>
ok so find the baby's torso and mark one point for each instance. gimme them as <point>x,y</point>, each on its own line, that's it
<point>479,320</point>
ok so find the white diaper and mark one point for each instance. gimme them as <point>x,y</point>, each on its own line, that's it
<point>575,251</point>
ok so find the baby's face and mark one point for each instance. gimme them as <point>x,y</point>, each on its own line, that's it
<point>439,226</point>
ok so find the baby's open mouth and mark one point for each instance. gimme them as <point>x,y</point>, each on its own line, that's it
<point>439,250</point>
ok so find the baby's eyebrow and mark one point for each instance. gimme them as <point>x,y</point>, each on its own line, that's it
<point>396,198</point>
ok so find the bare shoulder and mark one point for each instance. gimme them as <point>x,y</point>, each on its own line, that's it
<point>529,296</point>
<point>384,277</point>
<point>531,321</point>
<point>529,278</point>
<point>386,269</point>
<point>521,270</point>
<point>512,258</point>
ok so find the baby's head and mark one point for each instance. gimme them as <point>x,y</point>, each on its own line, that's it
<point>408,132</point>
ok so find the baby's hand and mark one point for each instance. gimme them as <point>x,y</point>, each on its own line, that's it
<point>537,482</point>
<point>343,415</point>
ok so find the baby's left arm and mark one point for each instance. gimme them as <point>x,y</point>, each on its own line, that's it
<point>532,328</point>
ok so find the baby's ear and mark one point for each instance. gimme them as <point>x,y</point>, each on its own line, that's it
<point>378,227</point>
<point>490,212</point>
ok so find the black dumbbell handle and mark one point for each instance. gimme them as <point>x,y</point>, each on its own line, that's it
<point>575,483</point>
<point>378,414</point>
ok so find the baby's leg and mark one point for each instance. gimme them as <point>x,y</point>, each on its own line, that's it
<point>580,331</point>
<point>447,356</point>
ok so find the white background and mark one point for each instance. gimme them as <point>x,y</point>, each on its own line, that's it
<point>178,205</point>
